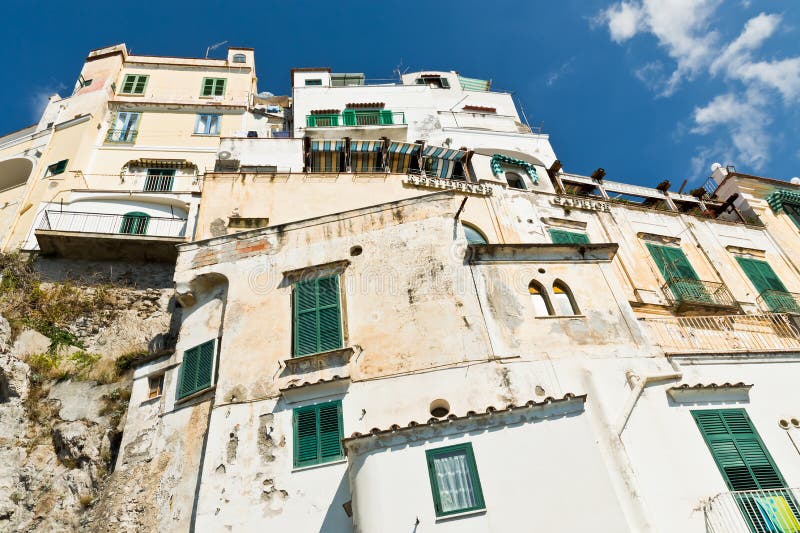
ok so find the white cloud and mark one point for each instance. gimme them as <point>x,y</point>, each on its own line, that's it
<point>624,21</point>
<point>561,71</point>
<point>745,121</point>
<point>684,29</point>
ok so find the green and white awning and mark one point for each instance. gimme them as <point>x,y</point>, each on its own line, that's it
<point>440,161</point>
<point>325,155</point>
<point>364,155</point>
<point>499,159</point>
<point>401,155</point>
<point>782,196</point>
<point>473,84</point>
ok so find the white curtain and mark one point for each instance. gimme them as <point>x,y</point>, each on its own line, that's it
<point>454,482</point>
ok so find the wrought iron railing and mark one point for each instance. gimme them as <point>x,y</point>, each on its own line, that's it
<point>128,224</point>
<point>158,182</point>
<point>682,291</point>
<point>778,301</point>
<point>357,118</point>
<point>121,136</point>
<point>731,333</point>
<point>753,511</point>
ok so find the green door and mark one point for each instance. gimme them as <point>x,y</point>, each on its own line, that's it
<point>768,285</point>
<point>682,280</point>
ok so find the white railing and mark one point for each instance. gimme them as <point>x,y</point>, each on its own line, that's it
<point>730,333</point>
<point>753,511</point>
<point>130,224</point>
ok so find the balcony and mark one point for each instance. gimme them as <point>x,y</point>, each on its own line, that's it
<point>357,118</point>
<point>691,294</point>
<point>158,182</point>
<point>771,332</point>
<point>110,236</point>
<point>754,511</point>
<point>121,136</point>
<point>773,301</point>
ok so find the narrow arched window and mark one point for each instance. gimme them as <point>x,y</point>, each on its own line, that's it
<point>541,304</point>
<point>474,236</point>
<point>514,180</point>
<point>563,302</point>
<point>134,223</point>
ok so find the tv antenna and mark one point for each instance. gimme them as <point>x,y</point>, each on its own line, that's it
<point>214,47</point>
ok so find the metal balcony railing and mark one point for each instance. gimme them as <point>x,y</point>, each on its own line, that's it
<point>779,301</point>
<point>158,183</point>
<point>685,291</point>
<point>753,511</point>
<point>357,118</point>
<point>772,332</point>
<point>121,136</point>
<point>129,224</point>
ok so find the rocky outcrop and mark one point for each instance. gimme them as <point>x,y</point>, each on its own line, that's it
<point>59,429</point>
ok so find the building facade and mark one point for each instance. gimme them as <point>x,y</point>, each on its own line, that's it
<point>395,310</point>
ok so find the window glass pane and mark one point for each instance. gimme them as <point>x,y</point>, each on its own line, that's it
<point>454,481</point>
<point>202,124</point>
<point>539,305</point>
<point>561,302</point>
<point>213,124</point>
<point>473,235</point>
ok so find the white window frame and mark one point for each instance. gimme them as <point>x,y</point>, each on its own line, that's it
<point>211,126</point>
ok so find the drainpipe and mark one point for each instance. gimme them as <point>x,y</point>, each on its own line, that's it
<point>638,384</point>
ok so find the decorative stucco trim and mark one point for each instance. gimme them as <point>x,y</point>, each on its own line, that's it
<point>319,361</point>
<point>659,239</point>
<point>565,223</point>
<point>499,159</point>
<point>777,198</point>
<point>740,250</point>
<point>313,271</point>
<point>414,431</point>
<point>297,392</point>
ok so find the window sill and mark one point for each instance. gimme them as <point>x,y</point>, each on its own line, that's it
<point>205,135</point>
<point>320,465</point>
<point>559,316</point>
<point>337,357</point>
<point>194,395</point>
<point>131,94</point>
<point>154,399</point>
<point>465,514</point>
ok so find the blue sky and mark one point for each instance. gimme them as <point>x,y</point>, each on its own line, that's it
<point>647,89</point>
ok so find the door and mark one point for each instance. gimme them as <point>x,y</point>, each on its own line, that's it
<point>682,280</point>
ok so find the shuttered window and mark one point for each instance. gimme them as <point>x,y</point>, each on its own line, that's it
<point>768,285</point>
<point>56,168</point>
<point>317,316</point>
<point>560,236</point>
<point>213,87</point>
<point>134,84</point>
<point>737,449</point>
<point>318,434</point>
<point>196,369</point>
<point>672,262</point>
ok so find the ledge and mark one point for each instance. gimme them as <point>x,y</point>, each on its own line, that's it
<point>297,392</point>
<point>333,267</point>
<point>488,253</point>
<point>727,392</point>
<point>319,361</point>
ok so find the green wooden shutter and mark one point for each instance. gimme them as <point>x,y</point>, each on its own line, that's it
<point>196,369</point>
<point>318,433</point>
<point>213,87</point>
<point>568,237</point>
<point>386,116</point>
<point>740,454</point>
<point>317,316</point>
<point>672,262</point>
<point>349,117</point>
<point>134,84</point>
<point>761,274</point>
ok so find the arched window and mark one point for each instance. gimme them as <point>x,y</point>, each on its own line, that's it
<point>541,304</point>
<point>134,223</point>
<point>515,180</point>
<point>474,236</point>
<point>563,302</point>
<point>239,58</point>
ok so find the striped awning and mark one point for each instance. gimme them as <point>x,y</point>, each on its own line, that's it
<point>473,84</point>
<point>400,156</point>
<point>161,163</point>
<point>781,196</point>
<point>326,146</point>
<point>439,161</point>
<point>499,159</point>
<point>325,156</point>
<point>364,156</point>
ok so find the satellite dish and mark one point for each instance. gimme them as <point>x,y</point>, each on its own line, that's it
<point>795,181</point>
<point>715,166</point>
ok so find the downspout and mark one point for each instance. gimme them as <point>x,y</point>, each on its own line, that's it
<point>638,384</point>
